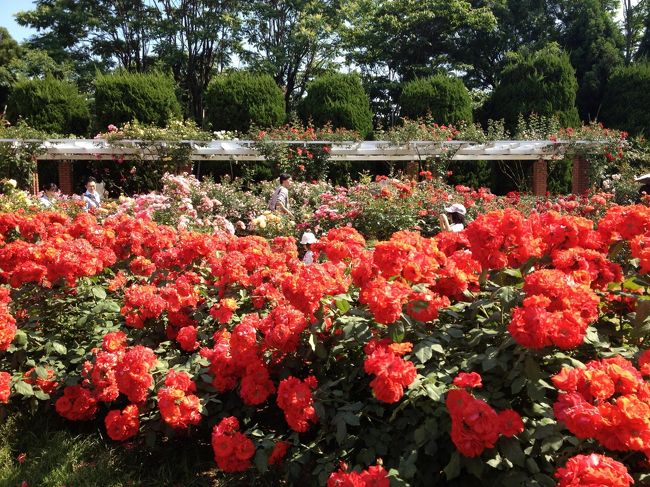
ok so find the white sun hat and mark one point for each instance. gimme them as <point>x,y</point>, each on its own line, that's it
<point>308,238</point>
<point>456,208</point>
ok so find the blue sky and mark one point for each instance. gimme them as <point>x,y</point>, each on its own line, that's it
<point>7,10</point>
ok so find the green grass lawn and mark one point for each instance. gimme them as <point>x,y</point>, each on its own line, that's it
<point>59,453</point>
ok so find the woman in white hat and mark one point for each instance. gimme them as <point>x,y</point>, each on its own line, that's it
<point>457,214</point>
<point>307,239</point>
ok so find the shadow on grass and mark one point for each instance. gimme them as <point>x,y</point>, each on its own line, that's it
<point>59,453</point>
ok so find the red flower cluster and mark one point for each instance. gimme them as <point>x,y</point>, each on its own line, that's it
<point>591,471</point>
<point>393,373</point>
<point>179,408</point>
<point>375,476</point>
<point>223,310</point>
<point>294,398</point>
<point>5,387</point>
<point>7,322</point>
<point>47,384</point>
<point>341,244</point>
<point>132,374</point>
<point>502,238</point>
<point>471,380</point>
<point>607,400</point>
<point>232,450</point>
<point>282,328</point>
<point>556,311</point>
<point>76,404</point>
<point>122,425</point>
<point>279,451</point>
<point>475,426</point>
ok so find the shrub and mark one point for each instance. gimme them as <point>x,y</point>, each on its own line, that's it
<point>338,99</point>
<point>542,82</point>
<point>237,100</point>
<point>627,98</point>
<point>50,105</point>
<point>444,97</point>
<point>123,97</point>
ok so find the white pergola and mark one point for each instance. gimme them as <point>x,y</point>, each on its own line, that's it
<point>539,151</point>
<point>244,150</point>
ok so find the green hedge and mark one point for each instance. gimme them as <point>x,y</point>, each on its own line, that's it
<point>627,99</point>
<point>542,82</point>
<point>338,99</point>
<point>238,100</point>
<point>50,105</point>
<point>444,97</point>
<point>123,97</point>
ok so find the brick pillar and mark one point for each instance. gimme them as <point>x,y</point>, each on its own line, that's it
<point>540,176</point>
<point>65,177</point>
<point>35,183</point>
<point>580,175</point>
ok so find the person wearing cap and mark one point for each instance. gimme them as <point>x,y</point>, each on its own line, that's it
<point>457,214</point>
<point>307,239</point>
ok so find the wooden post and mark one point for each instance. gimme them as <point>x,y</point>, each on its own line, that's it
<point>412,169</point>
<point>540,177</point>
<point>66,184</point>
<point>580,175</point>
<point>35,183</point>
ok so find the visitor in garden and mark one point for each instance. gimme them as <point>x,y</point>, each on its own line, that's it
<point>308,238</point>
<point>457,214</point>
<point>280,198</point>
<point>48,198</point>
<point>91,196</point>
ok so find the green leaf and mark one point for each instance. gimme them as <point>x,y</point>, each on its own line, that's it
<point>20,339</point>
<point>397,332</point>
<point>261,460</point>
<point>452,470</point>
<point>38,394</point>
<point>41,372</point>
<point>511,449</point>
<point>341,430</point>
<point>423,352</point>
<point>24,389</point>
<point>59,348</point>
<point>99,292</point>
<point>342,305</point>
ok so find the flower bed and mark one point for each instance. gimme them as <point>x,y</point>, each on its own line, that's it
<point>517,339</point>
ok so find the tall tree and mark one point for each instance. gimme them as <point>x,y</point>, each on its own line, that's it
<point>634,14</point>
<point>481,54</point>
<point>292,40</point>
<point>408,38</point>
<point>588,32</point>
<point>643,51</point>
<point>197,38</point>
<point>92,33</point>
<point>9,50</point>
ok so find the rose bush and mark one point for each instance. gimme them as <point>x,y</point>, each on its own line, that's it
<point>364,357</point>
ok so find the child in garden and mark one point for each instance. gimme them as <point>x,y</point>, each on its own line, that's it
<point>308,238</point>
<point>48,197</point>
<point>457,214</point>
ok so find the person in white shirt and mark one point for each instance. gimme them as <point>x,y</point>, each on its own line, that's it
<point>307,239</point>
<point>91,196</point>
<point>280,198</point>
<point>48,198</point>
<point>457,214</point>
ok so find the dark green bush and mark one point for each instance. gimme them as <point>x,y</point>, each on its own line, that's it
<point>627,99</point>
<point>237,100</point>
<point>541,82</point>
<point>123,97</point>
<point>338,99</point>
<point>50,105</point>
<point>444,97</point>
